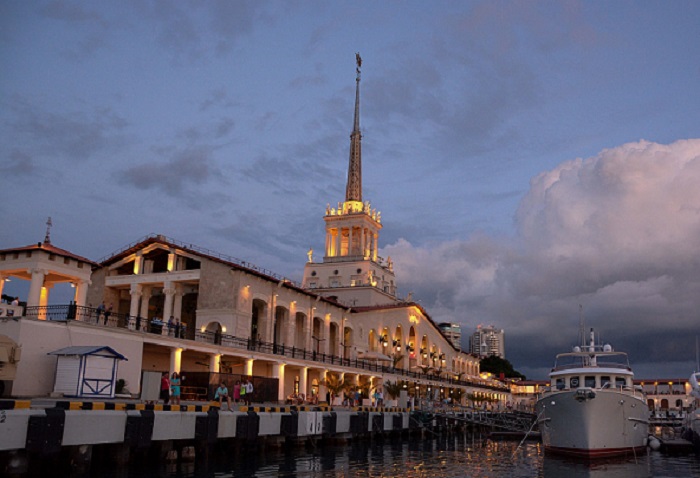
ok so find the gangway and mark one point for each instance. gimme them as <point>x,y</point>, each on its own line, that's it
<point>512,421</point>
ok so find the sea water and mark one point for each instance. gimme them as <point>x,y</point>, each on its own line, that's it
<point>456,455</point>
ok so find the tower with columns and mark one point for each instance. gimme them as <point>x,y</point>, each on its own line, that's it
<point>352,270</point>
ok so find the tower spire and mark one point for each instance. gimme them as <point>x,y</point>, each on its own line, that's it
<point>47,238</point>
<point>353,191</point>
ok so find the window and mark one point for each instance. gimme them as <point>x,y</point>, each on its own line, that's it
<point>560,384</point>
<point>620,382</point>
<point>604,380</point>
<point>589,381</point>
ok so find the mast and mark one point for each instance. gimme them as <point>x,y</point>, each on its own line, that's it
<point>353,191</point>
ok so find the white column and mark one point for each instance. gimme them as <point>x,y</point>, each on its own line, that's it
<point>81,290</point>
<point>336,243</point>
<point>249,367</point>
<point>350,250</point>
<point>374,247</point>
<point>145,298</point>
<point>214,363</point>
<point>169,291</point>
<point>303,378</point>
<point>278,373</point>
<point>34,297</point>
<point>328,242</point>
<point>136,292</point>
<point>325,346</point>
<point>175,360</point>
<point>177,304</point>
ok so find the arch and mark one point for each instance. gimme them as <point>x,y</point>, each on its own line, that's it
<point>348,342</point>
<point>372,340</point>
<point>216,329</point>
<point>424,352</point>
<point>300,332</point>
<point>334,340</point>
<point>281,326</point>
<point>317,334</point>
<point>664,404</point>
<point>257,323</point>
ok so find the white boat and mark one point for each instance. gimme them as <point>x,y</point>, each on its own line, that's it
<point>592,408</point>
<point>692,423</point>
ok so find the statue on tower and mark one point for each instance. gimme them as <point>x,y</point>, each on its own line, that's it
<point>310,254</point>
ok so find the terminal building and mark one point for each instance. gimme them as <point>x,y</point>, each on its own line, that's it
<point>166,305</point>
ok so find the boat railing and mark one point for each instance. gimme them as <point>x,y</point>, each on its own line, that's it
<point>570,366</point>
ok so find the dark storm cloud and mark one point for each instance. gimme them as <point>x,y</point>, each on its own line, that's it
<point>617,233</point>
<point>76,135</point>
<point>174,176</point>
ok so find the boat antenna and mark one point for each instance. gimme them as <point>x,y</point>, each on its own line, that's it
<point>581,327</point>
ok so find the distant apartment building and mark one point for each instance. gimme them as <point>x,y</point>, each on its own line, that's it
<point>487,341</point>
<point>453,332</point>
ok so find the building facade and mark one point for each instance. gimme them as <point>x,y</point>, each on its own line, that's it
<point>488,341</point>
<point>453,332</point>
<point>171,306</point>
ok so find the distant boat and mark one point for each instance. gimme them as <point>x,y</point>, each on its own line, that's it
<point>592,408</point>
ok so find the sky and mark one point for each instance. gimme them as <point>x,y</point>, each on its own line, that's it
<point>529,158</point>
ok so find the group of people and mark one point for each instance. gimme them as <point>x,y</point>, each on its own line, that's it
<point>242,393</point>
<point>170,388</point>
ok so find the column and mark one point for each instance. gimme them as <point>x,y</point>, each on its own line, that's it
<point>177,304</point>
<point>328,242</point>
<point>214,362</point>
<point>374,247</point>
<point>278,373</point>
<point>134,305</point>
<point>336,244</point>
<point>35,286</point>
<point>303,378</point>
<point>175,360</point>
<point>249,367</point>
<point>2,283</point>
<point>81,290</point>
<point>169,291</point>
<point>350,250</point>
<point>325,346</point>
<point>145,298</point>
<point>138,263</point>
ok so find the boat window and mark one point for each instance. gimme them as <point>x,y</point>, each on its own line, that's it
<point>620,382</point>
<point>560,384</point>
<point>589,381</point>
<point>604,381</point>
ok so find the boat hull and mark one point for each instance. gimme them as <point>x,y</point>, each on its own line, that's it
<point>593,424</point>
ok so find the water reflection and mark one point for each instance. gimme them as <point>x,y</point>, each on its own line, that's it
<point>454,455</point>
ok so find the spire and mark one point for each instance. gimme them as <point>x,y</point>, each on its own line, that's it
<point>47,238</point>
<point>353,191</point>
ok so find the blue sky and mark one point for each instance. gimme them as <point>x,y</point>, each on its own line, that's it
<point>527,157</point>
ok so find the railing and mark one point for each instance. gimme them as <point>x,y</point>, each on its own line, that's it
<point>101,318</point>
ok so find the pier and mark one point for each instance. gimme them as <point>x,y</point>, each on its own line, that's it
<point>70,432</point>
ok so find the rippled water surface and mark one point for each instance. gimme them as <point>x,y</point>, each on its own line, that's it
<point>456,456</point>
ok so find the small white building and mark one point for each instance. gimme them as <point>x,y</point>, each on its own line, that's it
<point>86,371</point>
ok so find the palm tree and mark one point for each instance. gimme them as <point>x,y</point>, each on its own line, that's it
<point>334,384</point>
<point>394,389</point>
